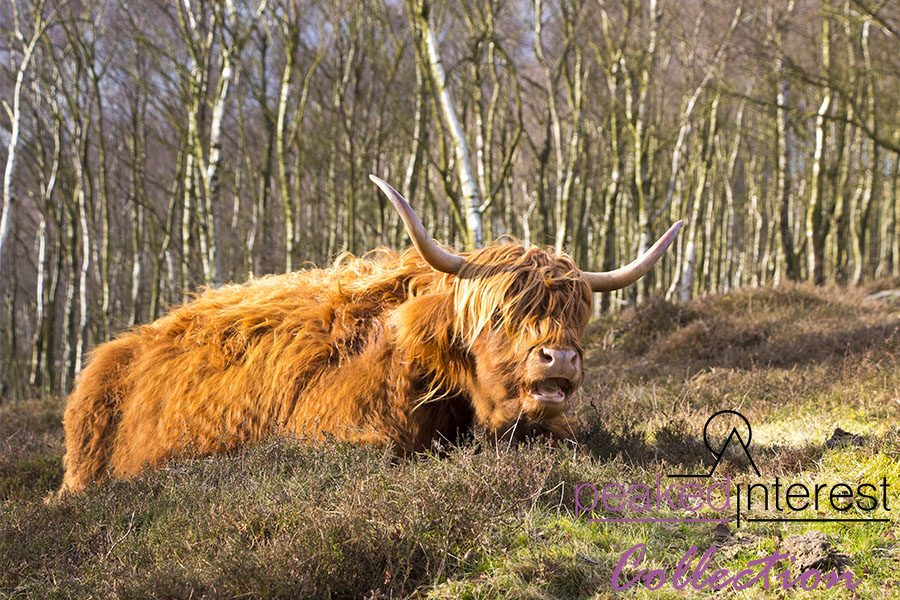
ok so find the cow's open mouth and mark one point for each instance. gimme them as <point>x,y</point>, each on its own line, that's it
<point>553,390</point>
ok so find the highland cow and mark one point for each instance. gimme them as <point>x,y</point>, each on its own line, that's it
<point>391,349</point>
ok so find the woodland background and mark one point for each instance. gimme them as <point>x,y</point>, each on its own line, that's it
<point>152,147</point>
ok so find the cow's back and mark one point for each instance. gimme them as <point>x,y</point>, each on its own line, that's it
<point>213,374</point>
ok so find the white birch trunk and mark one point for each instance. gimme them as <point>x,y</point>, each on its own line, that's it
<point>84,271</point>
<point>40,294</point>
<point>468,185</point>
<point>211,175</point>
<point>15,116</point>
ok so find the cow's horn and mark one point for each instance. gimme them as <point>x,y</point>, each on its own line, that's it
<point>624,276</point>
<point>438,258</point>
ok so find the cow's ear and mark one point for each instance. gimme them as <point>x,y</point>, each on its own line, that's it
<point>424,328</point>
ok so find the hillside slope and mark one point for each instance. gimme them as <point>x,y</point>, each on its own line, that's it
<point>287,520</point>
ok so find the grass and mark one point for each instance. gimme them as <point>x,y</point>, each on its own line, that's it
<point>283,519</point>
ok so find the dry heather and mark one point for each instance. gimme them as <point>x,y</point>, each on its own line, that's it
<point>283,519</point>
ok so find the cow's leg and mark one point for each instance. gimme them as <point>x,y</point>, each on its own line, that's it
<point>92,414</point>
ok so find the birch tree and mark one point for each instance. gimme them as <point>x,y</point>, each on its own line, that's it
<point>471,198</point>
<point>26,46</point>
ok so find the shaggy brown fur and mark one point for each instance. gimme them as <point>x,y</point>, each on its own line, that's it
<point>380,349</point>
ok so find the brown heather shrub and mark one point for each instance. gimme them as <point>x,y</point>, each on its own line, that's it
<point>31,446</point>
<point>280,519</point>
<point>637,330</point>
<point>784,326</point>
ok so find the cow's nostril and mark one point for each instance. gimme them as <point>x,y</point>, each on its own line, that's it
<point>558,358</point>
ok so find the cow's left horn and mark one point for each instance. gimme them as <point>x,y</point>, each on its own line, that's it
<point>624,276</point>
<point>434,255</point>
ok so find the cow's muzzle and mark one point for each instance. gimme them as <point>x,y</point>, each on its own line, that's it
<point>560,373</point>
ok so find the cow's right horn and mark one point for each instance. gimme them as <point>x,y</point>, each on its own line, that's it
<point>623,276</point>
<point>434,255</point>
